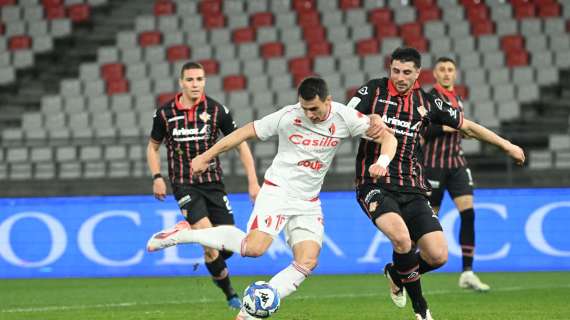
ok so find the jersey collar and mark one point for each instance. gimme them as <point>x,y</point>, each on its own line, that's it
<point>394,92</point>
<point>449,94</point>
<point>181,107</point>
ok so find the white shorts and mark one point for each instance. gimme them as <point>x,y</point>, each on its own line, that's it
<point>274,211</point>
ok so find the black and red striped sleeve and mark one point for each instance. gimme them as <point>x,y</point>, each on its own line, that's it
<point>158,131</point>
<point>362,99</point>
<point>226,122</point>
<point>440,112</point>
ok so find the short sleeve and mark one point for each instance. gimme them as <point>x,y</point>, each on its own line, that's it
<point>361,101</point>
<point>443,113</point>
<point>268,126</point>
<point>226,121</point>
<point>356,122</point>
<point>158,131</point>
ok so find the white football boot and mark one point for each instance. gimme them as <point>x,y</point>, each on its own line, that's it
<point>469,280</point>
<point>427,317</point>
<point>397,294</point>
<point>167,237</point>
<point>243,315</point>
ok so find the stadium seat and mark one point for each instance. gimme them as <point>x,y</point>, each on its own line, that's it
<point>367,47</point>
<point>518,58</point>
<point>319,49</point>
<point>117,86</point>
<point>234,82</point>
<point>272,50</point>
<point>214,21</point>
<point>512,43</point>
<point>429,14</point>
<point>79,12</point>
<point>150,38</point>
<point>349,4</point>
<point>164,8</point>
<point>524,10</point>
<point>20,42</point>
<point>178,52</point>
<point>53,13</point>
<point>242,35</point>
<point>112,71</point>
<point>380,16</point>
<point>262,19</point>
<point>210,7</point>
<point>210,66</point>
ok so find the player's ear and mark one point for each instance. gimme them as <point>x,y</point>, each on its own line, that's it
<point>328,100</point>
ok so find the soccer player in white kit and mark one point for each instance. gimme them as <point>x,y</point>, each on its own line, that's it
<point>309,133</point>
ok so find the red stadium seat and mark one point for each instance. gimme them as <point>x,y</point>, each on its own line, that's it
<point>314,34</point>
<point>52,3</point>
<point>214,21</point>
<point>301,65</point>
<point>461,91</point>
<point>21,42</point>
<point>262,19</point>
<point>7,3</point>
<point>79,12</point>
<point>297,78</point>
<point>549,10</point>
<point>112,71</point>
<point>380,16</point>
<point>272,50</point>
<point>178,52</point>
<point>385,31</point>
<point>304,5</point>
<point>422,4</point>
<point>483,27</point>
<point>512,43</point>
<point>211,66</point>
<point>117,86</point>
<point>210,7</point>
<point>426,77</point>
<point>367,46</point>
<point>429,14</point>
<point>517,59</point>
<point>165,97</point>
<point>525,10</point>
<point>242,35</point>
<point>349,4</point>
<point>150,38</point>
<point>420,43</point>
<point>164,8</point>
<point>319,49</point>
<point>52,13</point>
<point>478,13</point>
<point>309,19</point>
<point>234,82</point>
<point>410,30</point>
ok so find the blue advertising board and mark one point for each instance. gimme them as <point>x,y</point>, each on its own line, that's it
<point>516,230</point>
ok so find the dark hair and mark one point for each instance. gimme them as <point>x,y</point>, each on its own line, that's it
<point>445,59</point>
<point>311,87</point>
<point>407,55</point>
<point>190,65</point>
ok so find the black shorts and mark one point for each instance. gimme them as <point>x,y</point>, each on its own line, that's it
<point>204,200</point>
<point>457,181</point>
<point>414,208</point>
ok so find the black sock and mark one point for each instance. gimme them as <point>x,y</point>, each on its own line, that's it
<point>467,238</point>
<point>221,277</point>
<point>407,266</point>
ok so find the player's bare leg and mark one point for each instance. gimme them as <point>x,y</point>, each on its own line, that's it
<point>468,279</point>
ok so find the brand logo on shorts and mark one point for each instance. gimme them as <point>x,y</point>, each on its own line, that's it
<point>371,194</point>
<point>373,206</point>
<point>184,200</point>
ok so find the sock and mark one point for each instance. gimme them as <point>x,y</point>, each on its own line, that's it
<point>219,271</point>
<point>424,266</point>
<point>407,267</point>
<point>467,238</point>
<point>220,238</point>
<point>289,279</point>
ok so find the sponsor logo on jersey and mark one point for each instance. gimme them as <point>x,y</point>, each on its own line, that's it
<point>363,91</point>
<point>388,102</point>
<point>400,123</point>
<point>311,164</point>
<point>190,134</point>
<point>326,142</point>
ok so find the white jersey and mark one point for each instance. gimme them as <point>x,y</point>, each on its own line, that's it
<point>306,149</point>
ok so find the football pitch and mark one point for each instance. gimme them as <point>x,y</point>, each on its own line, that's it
<point>513,296</point>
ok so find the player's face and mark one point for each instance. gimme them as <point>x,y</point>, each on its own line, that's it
<point>445,74</point>
<point>316,110</point>
<point>403,75</point>
<point>192,83</point>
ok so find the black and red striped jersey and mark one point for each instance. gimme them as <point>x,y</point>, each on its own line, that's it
<point>443,149</point>
<point>188,132</point>
<point>406,115</point>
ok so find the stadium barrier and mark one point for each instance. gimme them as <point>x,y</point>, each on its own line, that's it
<point>517,230</point>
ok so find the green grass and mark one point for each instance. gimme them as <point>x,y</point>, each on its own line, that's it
<point>513,296</point>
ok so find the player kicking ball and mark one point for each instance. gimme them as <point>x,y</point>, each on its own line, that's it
<point>310,133</point>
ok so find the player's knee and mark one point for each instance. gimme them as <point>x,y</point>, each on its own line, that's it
<point>255,250</point>
<point>210,254</point>
<point>437,258</point>
<point>402,243</point>
<point>309,263</point>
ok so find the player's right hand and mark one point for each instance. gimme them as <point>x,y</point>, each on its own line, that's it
<point>377,171</point>
<point>159,189</point>
<point>516,153</point>
<point>199,165</point>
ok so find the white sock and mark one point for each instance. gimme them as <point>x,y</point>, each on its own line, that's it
<point>220,238</point>
<point>289,279</point>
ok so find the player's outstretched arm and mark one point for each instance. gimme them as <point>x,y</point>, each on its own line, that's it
<point>153,161</point>
<point>387,151</point>
<point>249,165</point>
<point>201,162</point>
<point>479,132</point>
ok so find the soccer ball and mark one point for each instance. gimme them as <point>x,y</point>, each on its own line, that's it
<point>261,300</point>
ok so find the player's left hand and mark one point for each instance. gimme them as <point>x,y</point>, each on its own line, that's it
<point>199,165</point>
<point>377,171</point>
<point>516,153</point>
<point>376,126</point>
<point>253,190</point>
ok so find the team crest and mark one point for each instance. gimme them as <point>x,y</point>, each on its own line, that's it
<point>204,116</point>
<point>332,129</point>
<point>363,91</point>
<point>297,122</point>
<point>439,103</point>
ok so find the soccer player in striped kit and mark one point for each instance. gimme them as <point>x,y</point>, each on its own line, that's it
<point>446,169</point>
<point>397,203</point>
<point>189,125</point>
